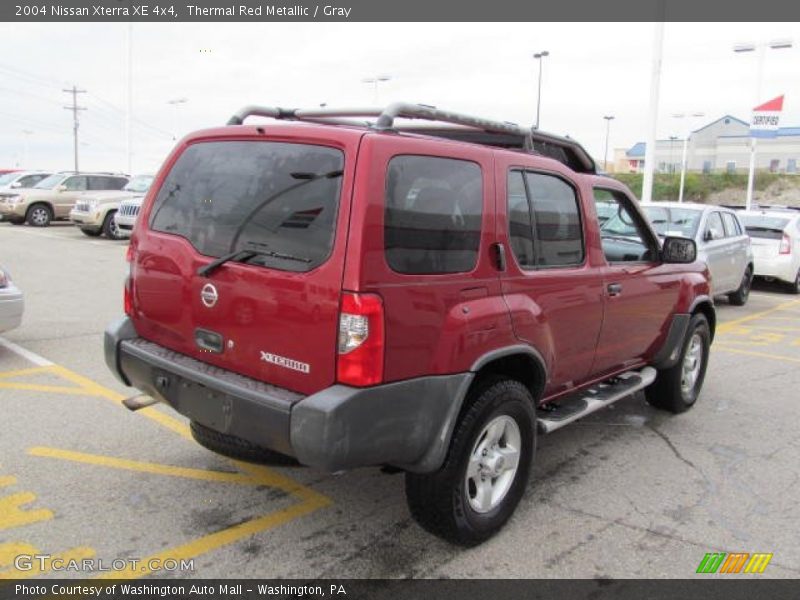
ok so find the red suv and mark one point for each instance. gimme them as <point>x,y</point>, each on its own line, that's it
<point>350,293</point>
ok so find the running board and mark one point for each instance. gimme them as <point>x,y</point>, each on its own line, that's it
<point>588,401</point>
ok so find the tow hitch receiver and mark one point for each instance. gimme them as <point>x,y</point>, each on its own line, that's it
<point>139,401</point>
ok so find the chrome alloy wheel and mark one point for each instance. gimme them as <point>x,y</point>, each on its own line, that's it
<point>493,464</point>
<point>40,216</point>
<point>692,364</point>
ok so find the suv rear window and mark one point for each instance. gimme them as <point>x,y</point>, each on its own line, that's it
<point>432,218</point>
<point>276,197</point>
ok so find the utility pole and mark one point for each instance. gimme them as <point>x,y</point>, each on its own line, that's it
<point>608,119</point>
<point>75,108</point>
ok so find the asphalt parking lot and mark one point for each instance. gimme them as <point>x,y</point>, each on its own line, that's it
<point>627,492</point>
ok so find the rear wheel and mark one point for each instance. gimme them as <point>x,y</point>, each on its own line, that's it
<point>39,215</point>
<point>91,232</point>
<point>110,227</point>
<point>740,296</point>
<point>235,447</point>
<point>676,389</point>
<point>794,288</point>
<point>486,471</point>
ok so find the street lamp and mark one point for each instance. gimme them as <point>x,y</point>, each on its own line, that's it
<point>176,102</point>
<point>685,148</point>
<point>759,48</point>
<point>608,119</point>
<point>375,81</point>
<point>539,56</point>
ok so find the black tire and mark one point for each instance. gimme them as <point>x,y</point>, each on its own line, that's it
<point>440,501</point>
<point>794,288</point>
<point>91,232</point>
<point>740,296</point>
<point>17,220</point>
<point>234,447</point>
<point>110,229</point>
<point>667,392</point>
<point>39,215</point>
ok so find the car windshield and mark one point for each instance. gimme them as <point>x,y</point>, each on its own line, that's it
<point>680,222</point>
<point>139,184</point>
<point>48,183</point>
<point>764,226</point>
<point>8,178</point>
<point>281,198</point>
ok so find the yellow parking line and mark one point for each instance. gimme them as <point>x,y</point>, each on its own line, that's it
<point>723,348</point>
<point>52,389</point>
<point>144,467</point>
<point>724,326</point>
<point>24,372</point>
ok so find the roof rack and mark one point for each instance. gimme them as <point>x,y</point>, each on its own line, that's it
<point>469,129</point>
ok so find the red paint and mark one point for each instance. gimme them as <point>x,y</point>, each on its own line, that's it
<point>423,324</point>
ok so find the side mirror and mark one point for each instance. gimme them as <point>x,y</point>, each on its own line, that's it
<point>708,236</point>
<point>61,188</point>
<point>678,250</point>
<point>16,185</point>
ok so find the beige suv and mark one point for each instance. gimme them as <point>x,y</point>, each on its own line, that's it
<point>95,212</point>
<point>53,197</point>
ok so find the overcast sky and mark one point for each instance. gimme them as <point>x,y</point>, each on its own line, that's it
<point>484,69</point>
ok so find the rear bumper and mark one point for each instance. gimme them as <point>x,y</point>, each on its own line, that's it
<point>780,267</point>
<point>406,424</point>
<point>12,305</point>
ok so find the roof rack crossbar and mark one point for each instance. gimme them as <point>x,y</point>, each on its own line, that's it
<point>386,117</point>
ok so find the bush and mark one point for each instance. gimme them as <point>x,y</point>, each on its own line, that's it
<point>697,187</point>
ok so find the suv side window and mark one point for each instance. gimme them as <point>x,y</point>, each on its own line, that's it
<point>102,182</point>
<point>731,226</point>
<point>432,215</point>
<point>76,184</point>
<point>623,235</point>
<point>551,234</point>
<point>714,228</point>
<point>30,180</point>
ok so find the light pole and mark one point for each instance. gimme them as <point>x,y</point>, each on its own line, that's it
<point>608,119</point>
<point>760,49</point>
<point>378,79</point>
<point>176,102</point>
<point>671,165</point>
<point>540,57</point>
<point>685,147</point>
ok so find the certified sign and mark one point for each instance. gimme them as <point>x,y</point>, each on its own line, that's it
<point>766,118</point>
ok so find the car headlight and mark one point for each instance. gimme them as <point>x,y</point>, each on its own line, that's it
<point>5,278</point>
<point>14,199</point>
<point>91,204</point>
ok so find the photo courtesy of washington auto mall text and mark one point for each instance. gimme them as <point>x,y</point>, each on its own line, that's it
<point>375,300</point>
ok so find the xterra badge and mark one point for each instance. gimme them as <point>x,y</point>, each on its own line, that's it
<point>287,363</point>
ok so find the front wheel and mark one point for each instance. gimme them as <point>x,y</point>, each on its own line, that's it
<point>676,389</point>
<point>39,215</point>
<point>91,232</point>
<point>740,296</point>
<point>110,227</point>
<point>487,467</point>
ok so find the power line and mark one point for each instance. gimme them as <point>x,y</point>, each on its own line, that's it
<point>75,109</point>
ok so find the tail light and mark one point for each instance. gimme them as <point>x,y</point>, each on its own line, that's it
<point>786,245</point>
<point>128,293</point>
<point>361,340</point>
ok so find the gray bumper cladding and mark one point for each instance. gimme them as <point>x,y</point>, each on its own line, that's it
<point>406,424</point>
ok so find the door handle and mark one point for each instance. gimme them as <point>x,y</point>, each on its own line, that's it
<point>499,255</point>
<point>614,289</point>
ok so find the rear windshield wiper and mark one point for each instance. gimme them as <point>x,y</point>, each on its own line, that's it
<point>245,254</point>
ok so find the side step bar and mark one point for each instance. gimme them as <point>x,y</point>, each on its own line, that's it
<point>588,401</point>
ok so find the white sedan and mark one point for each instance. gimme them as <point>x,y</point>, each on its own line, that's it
<point>775,237</point>
<point>11,303</point>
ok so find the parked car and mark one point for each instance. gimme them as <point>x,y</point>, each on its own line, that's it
<point>95,212</point>
<point>721,241</point>
<point>53,197</point>
<point>775,236</point>
<point>127,214</point>
<point>425,299</point>
<point>21,180</point>
<point>12,304</point>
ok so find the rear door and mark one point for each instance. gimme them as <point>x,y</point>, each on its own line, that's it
<point>272,316</point>
<point>717,250</point>
<point>553,293</point>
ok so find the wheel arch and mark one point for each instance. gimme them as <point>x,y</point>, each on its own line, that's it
<point>704,305</point>
<point>520,362</point>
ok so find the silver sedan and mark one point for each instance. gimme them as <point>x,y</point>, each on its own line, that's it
<point>12,303</point>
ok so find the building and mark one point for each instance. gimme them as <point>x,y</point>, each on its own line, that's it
<point>720,146</point>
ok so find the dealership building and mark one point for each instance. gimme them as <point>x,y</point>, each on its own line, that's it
<point>720,146</point>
